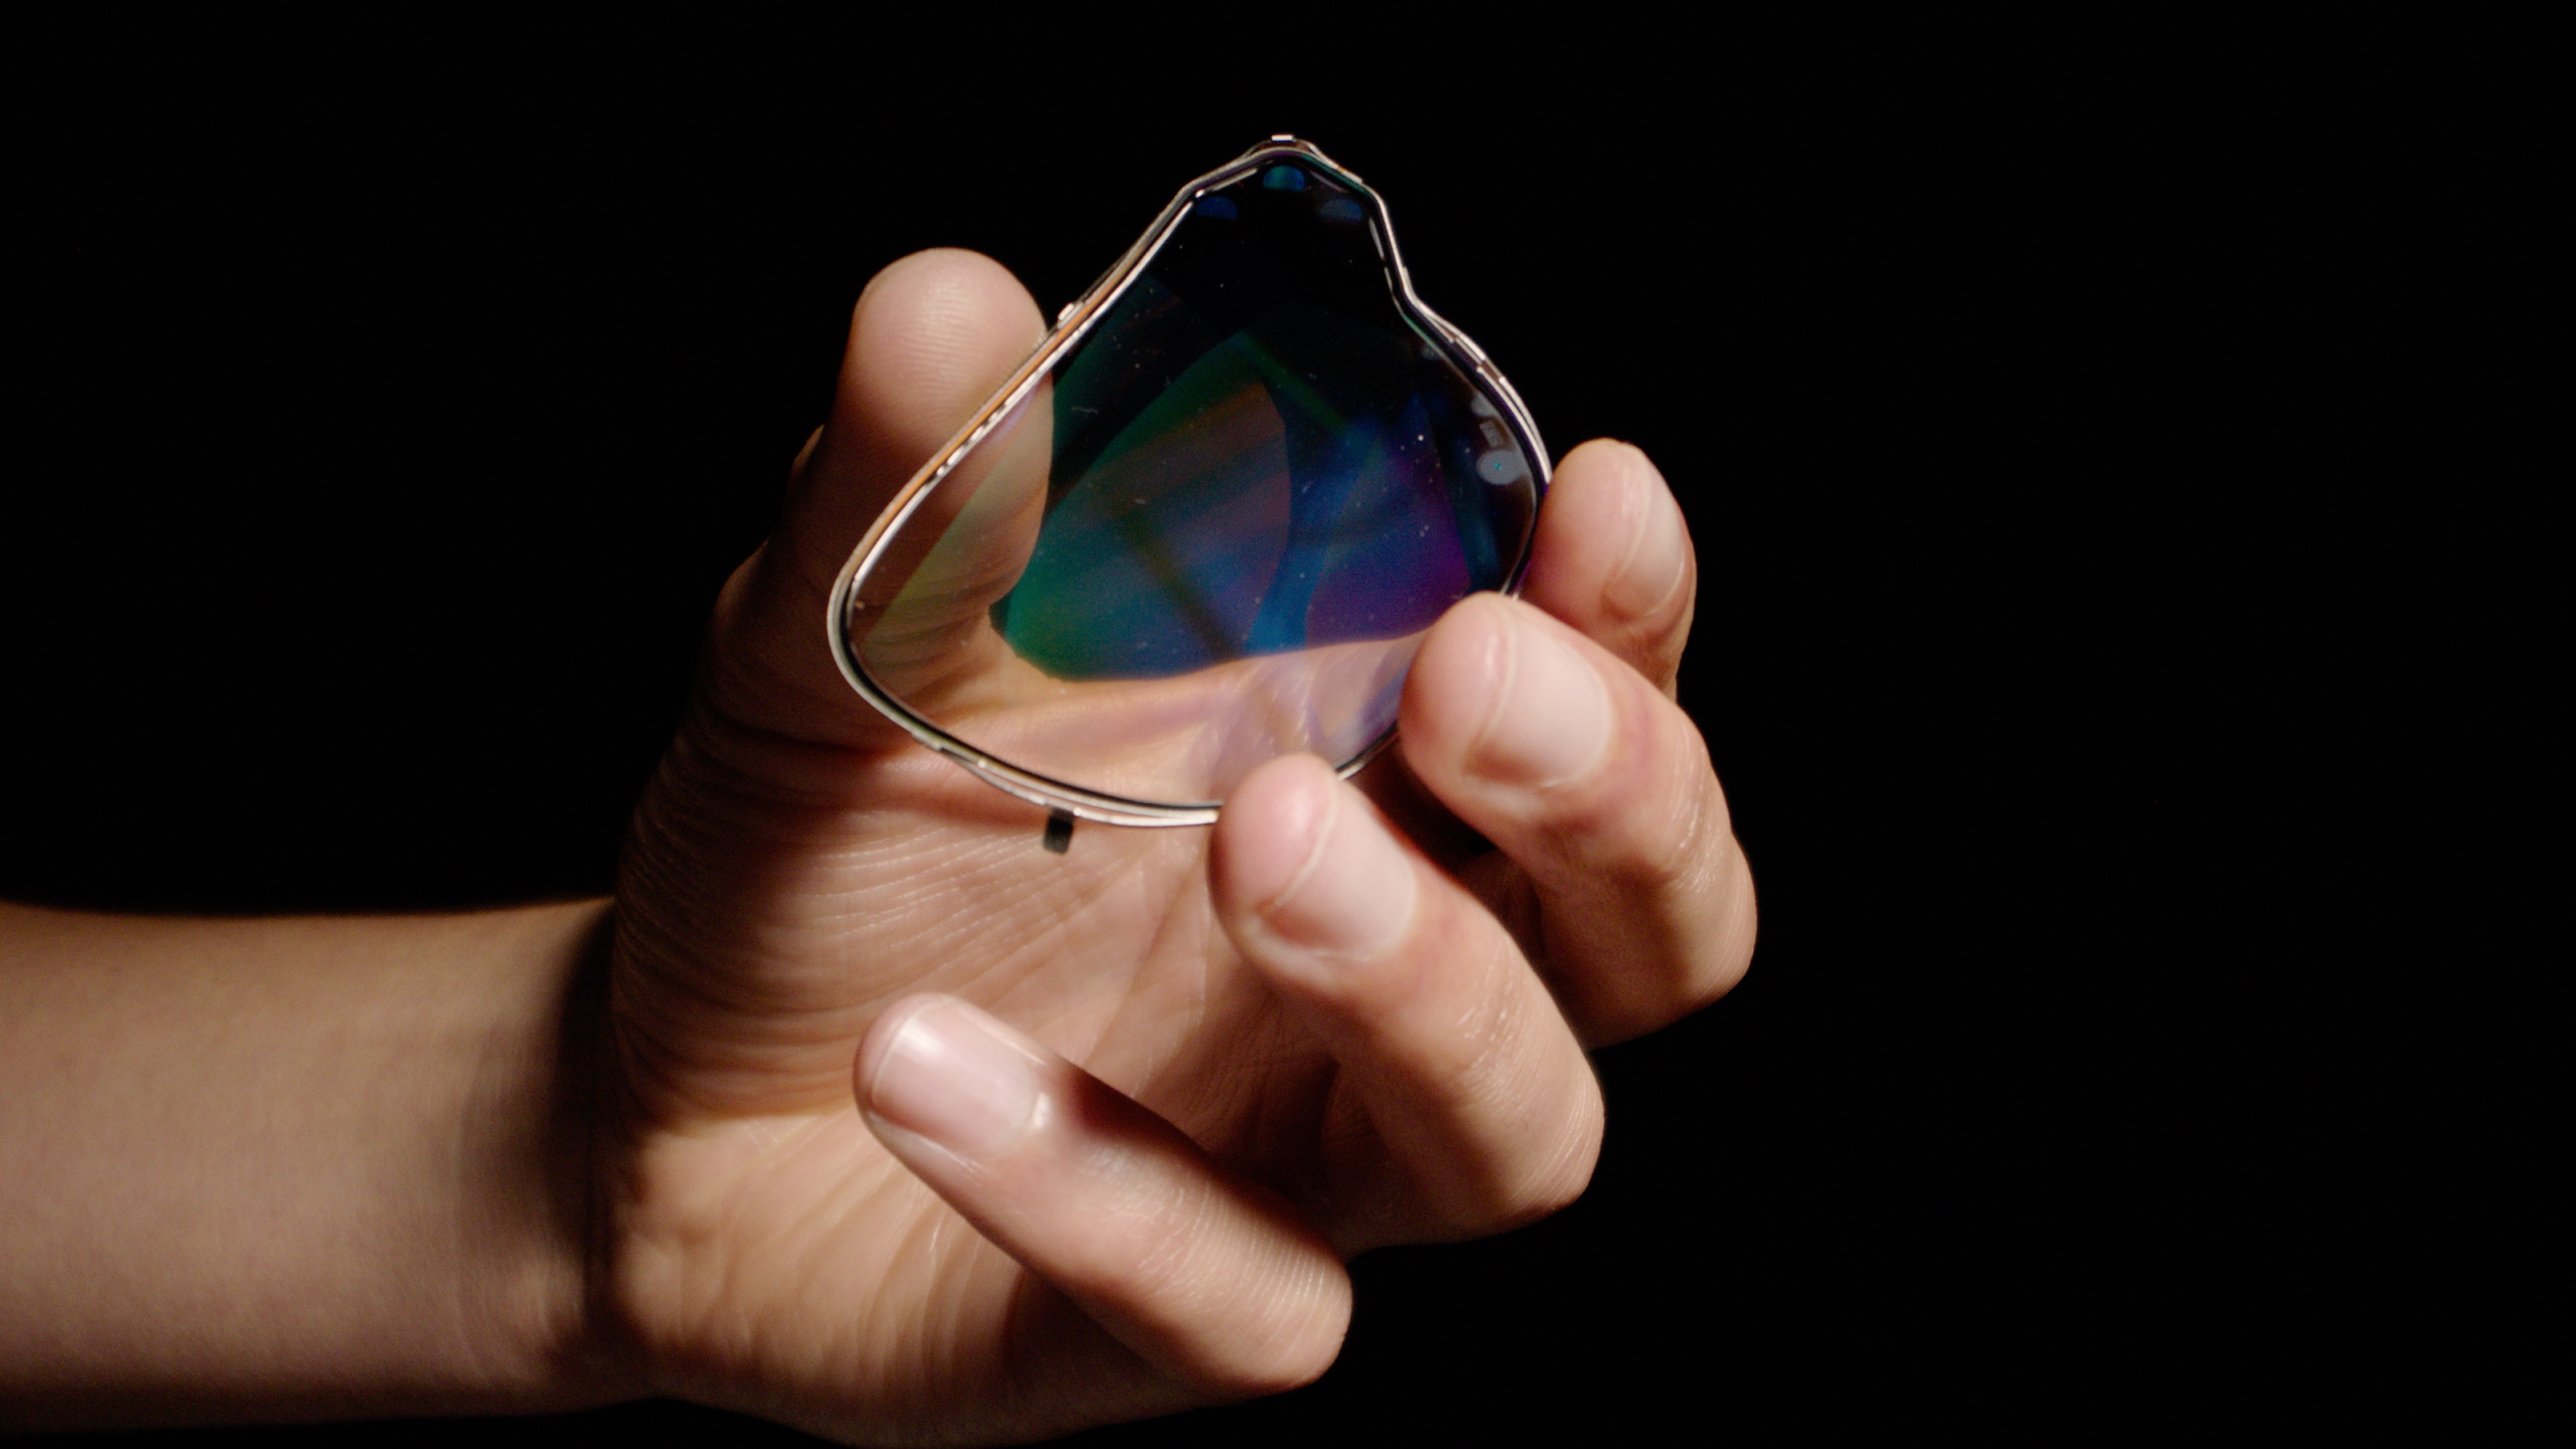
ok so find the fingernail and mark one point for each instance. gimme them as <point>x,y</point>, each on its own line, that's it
<point>1658,552</point>
<point>1354,895</point>
<point>1552,721</point>
<point>948,1075</point>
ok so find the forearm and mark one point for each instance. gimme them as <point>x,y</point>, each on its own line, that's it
<point>291,1168</point>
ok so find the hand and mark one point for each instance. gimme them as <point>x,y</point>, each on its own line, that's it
<point>924,1131</point>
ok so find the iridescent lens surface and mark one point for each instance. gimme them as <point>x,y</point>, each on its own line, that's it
<point>1217,529</point>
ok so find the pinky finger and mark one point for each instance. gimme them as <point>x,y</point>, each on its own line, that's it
<point>1208,1277</point>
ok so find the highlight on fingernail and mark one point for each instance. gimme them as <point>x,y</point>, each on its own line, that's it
<point>949,1073</point>
<point>1551,719</point>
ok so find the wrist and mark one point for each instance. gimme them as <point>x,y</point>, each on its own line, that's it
<point>555,1313</point>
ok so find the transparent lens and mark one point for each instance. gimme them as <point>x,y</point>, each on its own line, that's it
<point>1217,529</point>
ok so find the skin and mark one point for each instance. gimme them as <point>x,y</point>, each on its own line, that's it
<point>854,1108</point>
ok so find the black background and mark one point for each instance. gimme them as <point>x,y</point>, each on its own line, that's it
<point>393,421</point>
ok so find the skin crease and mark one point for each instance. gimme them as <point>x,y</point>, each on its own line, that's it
<point>1348,1015</point>
<point>775,1262</point>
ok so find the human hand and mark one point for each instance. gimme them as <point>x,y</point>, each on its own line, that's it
<point>1350,1014</point>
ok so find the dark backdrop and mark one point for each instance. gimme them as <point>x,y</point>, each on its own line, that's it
<point>391,432</point>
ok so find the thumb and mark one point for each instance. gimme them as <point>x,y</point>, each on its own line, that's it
<point>931,338</point>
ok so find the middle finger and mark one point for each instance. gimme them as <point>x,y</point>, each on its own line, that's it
<point>1453,1055</point>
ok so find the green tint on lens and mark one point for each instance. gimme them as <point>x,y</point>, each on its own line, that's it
<point>1207,523</point>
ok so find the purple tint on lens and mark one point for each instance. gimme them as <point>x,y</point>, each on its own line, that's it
<point>1255,452</point>
<point>1217,529</point>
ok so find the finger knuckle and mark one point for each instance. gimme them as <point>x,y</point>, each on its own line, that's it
<point>1551,1178</point>
<point>1275,1328</point>
<point>1647,819</point>
<point>1239,1318</point>
<point>1158,1253</point>
<point>1712,896</point>
<point>1542,1117</point>
<point>1472,1050</point>
<point>1290,1352</point>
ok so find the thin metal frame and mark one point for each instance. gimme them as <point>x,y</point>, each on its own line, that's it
<point>1071,326</point>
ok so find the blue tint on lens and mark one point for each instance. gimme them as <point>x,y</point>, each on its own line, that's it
<point>1255,452</point>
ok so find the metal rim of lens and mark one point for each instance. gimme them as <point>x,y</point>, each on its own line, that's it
<point>1072,325</point>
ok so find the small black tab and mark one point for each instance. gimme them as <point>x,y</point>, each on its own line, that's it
<point>1059,831</point>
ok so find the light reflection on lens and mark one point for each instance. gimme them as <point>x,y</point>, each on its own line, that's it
<point>1218,531</point>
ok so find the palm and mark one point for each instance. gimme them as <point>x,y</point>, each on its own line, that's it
<point>766,1234</point>
<point>1345,1030</point>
